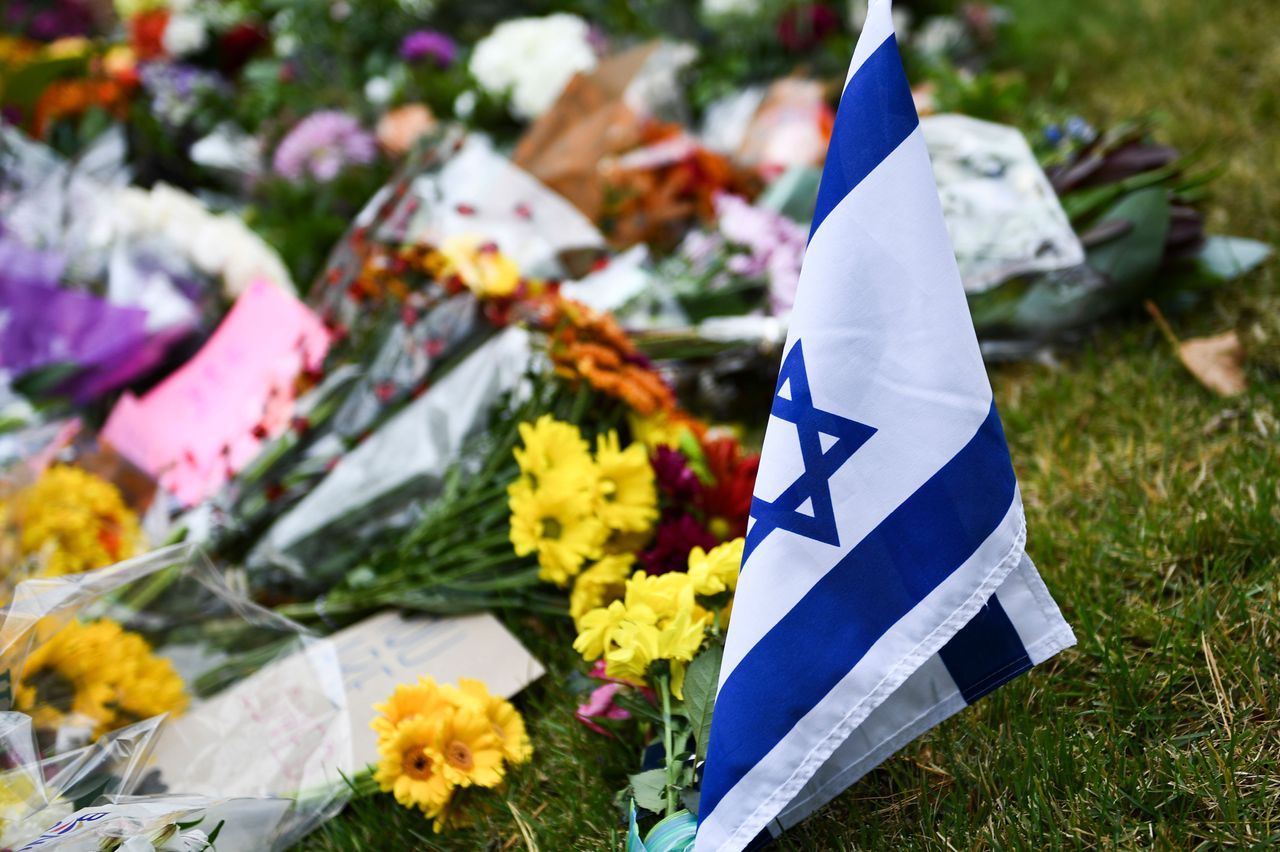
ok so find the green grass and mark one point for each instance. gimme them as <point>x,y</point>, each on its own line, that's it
<point>1154,511</point>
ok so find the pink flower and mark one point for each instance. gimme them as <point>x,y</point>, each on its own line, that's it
<point>322,145</point>
<point>774,245</point>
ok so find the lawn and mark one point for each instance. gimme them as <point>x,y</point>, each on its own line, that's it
<point>1154,512</point>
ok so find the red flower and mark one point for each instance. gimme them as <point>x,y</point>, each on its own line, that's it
<point>802,28</point>
<point>727,503</point>
<point>238,45</point>
<point>146,33</point>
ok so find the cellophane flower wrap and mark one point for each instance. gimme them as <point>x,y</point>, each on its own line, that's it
<point>152,679</point>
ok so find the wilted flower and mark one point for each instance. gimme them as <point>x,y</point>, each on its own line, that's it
<point>322,145</point>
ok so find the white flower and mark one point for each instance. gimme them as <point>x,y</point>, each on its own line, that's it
<point>533,59</point>
<point>730,8</point>
<point>939,36</point>
<point>185,34</point>
<point>465,104</point>
<point>378,91</point>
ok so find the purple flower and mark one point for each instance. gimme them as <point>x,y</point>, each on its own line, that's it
<point>676,536</point>
<point>674,477</point>
<point>428,44</point>
<point>322,145</point>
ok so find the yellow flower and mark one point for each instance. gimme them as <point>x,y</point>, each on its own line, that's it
<point>147,685</point>
<point>636,643</point>
<point>407,701</point>
<point>100,672</point>
<point>508,725</point>
<point>471,750</point>
<point>681,636</point>
<point>595,629</point>
<point>665,594</point>
<point>626,498</point>
<point>599,585</point>
<point>658,430</point>
<point>412,766</point>
<point>70,674</point>
<point>480,266</point>
<point>557,524</point>
<point>716,571</point>
<point>554,453</point>
<point>71,521</point>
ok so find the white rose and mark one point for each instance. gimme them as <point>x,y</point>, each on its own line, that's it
<point>533,59</point>
<point>728,8</point>
<point>185,34</point>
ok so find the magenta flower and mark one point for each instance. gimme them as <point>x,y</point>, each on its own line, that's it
<point>322,145</point>
<point>675,537</point>
<point>674,477</point>
<point>428,44</point>
<point>600,705</point>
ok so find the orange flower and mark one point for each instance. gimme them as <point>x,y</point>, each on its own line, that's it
<point>146,33</point>
<point>400,128</point>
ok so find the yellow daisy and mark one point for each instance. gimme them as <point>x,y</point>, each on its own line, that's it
<point>412,767</point>
<point>508,725</point>
<point>596,627</point>
<point>557,524</point>
<point>600,585</point>
<point>471,750</point>
<point>147,685</point>
<point>636,643</point>
<point>716,571</point>
<point>421,699</point>
<point>626,498</point>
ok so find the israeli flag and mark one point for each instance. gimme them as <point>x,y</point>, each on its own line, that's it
<point>884,584</point>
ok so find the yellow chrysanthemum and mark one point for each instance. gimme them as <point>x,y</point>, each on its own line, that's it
<point>599,585</point>
<point>665,594</point>
<point>147,685</point>
<point>71,521</point>
<point>635,644</point>
<point>424,698</point>
<point>658,619</point>
<point>558,525</point>
<point>479,264</point>
<point>412,766</point>
<point>471,749</point>
<point>626,498</point>
<point>716,571</point>
<point>553,453</point>
<point>596,628</point>
<point>508,724</point>
<point>100,672</point>
<point>658,430</point>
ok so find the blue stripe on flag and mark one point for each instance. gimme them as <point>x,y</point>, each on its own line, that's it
<point>876,113</point>
<point>883,578</point>
<point>986,653</point>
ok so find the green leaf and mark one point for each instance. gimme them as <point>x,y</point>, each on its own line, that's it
<point>1131,259</point>
<point>650,789</point>
<point>700,694</point>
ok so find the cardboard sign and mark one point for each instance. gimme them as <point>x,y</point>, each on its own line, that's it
<point>207,420</point>
<point>280,730</point>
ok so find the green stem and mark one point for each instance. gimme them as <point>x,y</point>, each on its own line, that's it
<point>667,743</point>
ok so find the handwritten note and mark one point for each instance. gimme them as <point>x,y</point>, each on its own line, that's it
<point>207,420</point>
<point>280,731</point>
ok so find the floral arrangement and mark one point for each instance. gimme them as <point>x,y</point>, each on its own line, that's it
<point>531,59</point>
<point>68,521</point>
<point>98,677</point>
<point>440,745</point>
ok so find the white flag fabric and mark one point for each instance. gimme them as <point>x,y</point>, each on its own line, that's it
<point>884,583</point>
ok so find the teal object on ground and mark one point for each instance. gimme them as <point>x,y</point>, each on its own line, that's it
<point>673,834</point>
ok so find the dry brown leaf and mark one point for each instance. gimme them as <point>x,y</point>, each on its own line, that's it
<point>1217,362</point>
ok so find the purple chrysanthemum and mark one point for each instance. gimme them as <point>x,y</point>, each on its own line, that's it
<point>428,44</point>
<point>322,145</point>
<point>674,477</point>
<point>675,537</point>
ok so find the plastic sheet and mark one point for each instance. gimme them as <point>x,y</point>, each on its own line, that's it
<point>255,730</point>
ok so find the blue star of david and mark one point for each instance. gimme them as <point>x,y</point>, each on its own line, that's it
<point>814,483</point>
